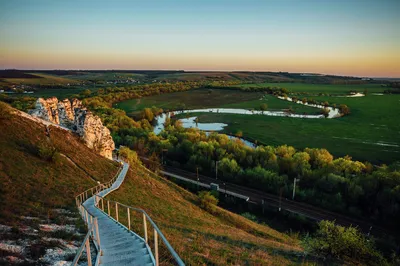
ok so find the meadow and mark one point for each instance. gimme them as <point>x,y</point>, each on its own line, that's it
<point>203,98</point>
<point>369,133</point>
<point>339,89</point>
<point>38,79</point>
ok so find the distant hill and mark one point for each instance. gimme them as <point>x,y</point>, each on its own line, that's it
<point>64,77</point>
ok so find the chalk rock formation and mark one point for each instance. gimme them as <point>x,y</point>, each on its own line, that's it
<point>73,115</point>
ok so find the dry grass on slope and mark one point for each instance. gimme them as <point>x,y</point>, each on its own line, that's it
<point>201,238</point>
<point>31,183</point>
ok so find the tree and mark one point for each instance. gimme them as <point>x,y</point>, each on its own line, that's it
<point>343,243</point>
<point>344,109</point>
<point>239,134</point>
<point>304,100</point>
<point>86,93</point>
<point>229,168</point>
<point>325,112</point>
<point>263,107</point>
<point>207,201</point>
<point>148,114</point>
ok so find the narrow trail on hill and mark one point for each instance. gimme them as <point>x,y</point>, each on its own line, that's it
<point>78,166</point>
<point>119,246</point>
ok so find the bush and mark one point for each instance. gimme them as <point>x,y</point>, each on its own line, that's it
<point>207,201</point>
<point>47,151</point>
<point>250,216</point>
<point>4,111</point>
<point>344,243</point>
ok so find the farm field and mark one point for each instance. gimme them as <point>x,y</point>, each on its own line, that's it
<point>370,132</point>
<point>318,88</point>
<point>39,79</point>
<point>201,98</point>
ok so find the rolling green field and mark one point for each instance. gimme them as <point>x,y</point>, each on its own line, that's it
<point>201,98</point>
<point>43,79</point>
<point>318,88</point>
<point>370,132</point>
<point>104,76</point>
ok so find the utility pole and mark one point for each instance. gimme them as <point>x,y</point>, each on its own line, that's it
<point>225,189</point>
<point>294,187</point>
<point>216,170</point>
<point>162,155</point>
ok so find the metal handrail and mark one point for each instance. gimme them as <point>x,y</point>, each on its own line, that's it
<point>157,231</point>
<point>93,228</point>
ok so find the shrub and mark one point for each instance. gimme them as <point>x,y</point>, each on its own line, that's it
<point>47,151</point>
<point>250,216</point>
<point>4,111</point>
<point>207,201</point>
<point>340,242</point>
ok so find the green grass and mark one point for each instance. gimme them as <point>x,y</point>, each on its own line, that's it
<point>373,119</point>
<point>318,88</point>
<point>32,186</point>
<point>45,79</point>
<point>201,98</point>
<point>104,76</point>
<point>201,238</point>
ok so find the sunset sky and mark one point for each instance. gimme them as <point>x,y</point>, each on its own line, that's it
<point>352,37</point>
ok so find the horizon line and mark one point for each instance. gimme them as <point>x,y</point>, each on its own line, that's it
<point>200,71</point>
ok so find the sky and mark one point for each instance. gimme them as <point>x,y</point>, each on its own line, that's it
<point>352,37</point>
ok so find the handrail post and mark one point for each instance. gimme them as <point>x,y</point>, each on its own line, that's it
<point>116,211</point>
<point>102,204</point>
<point>108,207</point>
<point>145,227</point>
<point>156,246</point>
<point>87,217</point>
<point>129,218</point>
<point>89,256</point>
<point>97,231</point>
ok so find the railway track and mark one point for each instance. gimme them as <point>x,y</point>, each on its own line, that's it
<point>259,197</point>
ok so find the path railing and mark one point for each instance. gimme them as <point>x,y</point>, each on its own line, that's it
<point>93,235</point>
<point>139,223</point>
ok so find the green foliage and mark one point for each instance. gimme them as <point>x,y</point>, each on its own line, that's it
<point>207,201</point>
<point>86,93</point>
<point>263,107</point>
<point>5,112</point>
<point>129,155</point>
<point>47,151</point>
<point>346,243</point>
<point>344,109</point>
<point>250,216</point>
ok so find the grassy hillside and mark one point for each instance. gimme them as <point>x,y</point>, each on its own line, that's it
<point>199,237</point>
<point>32,183</point>
<point>37,79</point>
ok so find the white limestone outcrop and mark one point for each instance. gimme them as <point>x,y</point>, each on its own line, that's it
<point>73,115</point>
